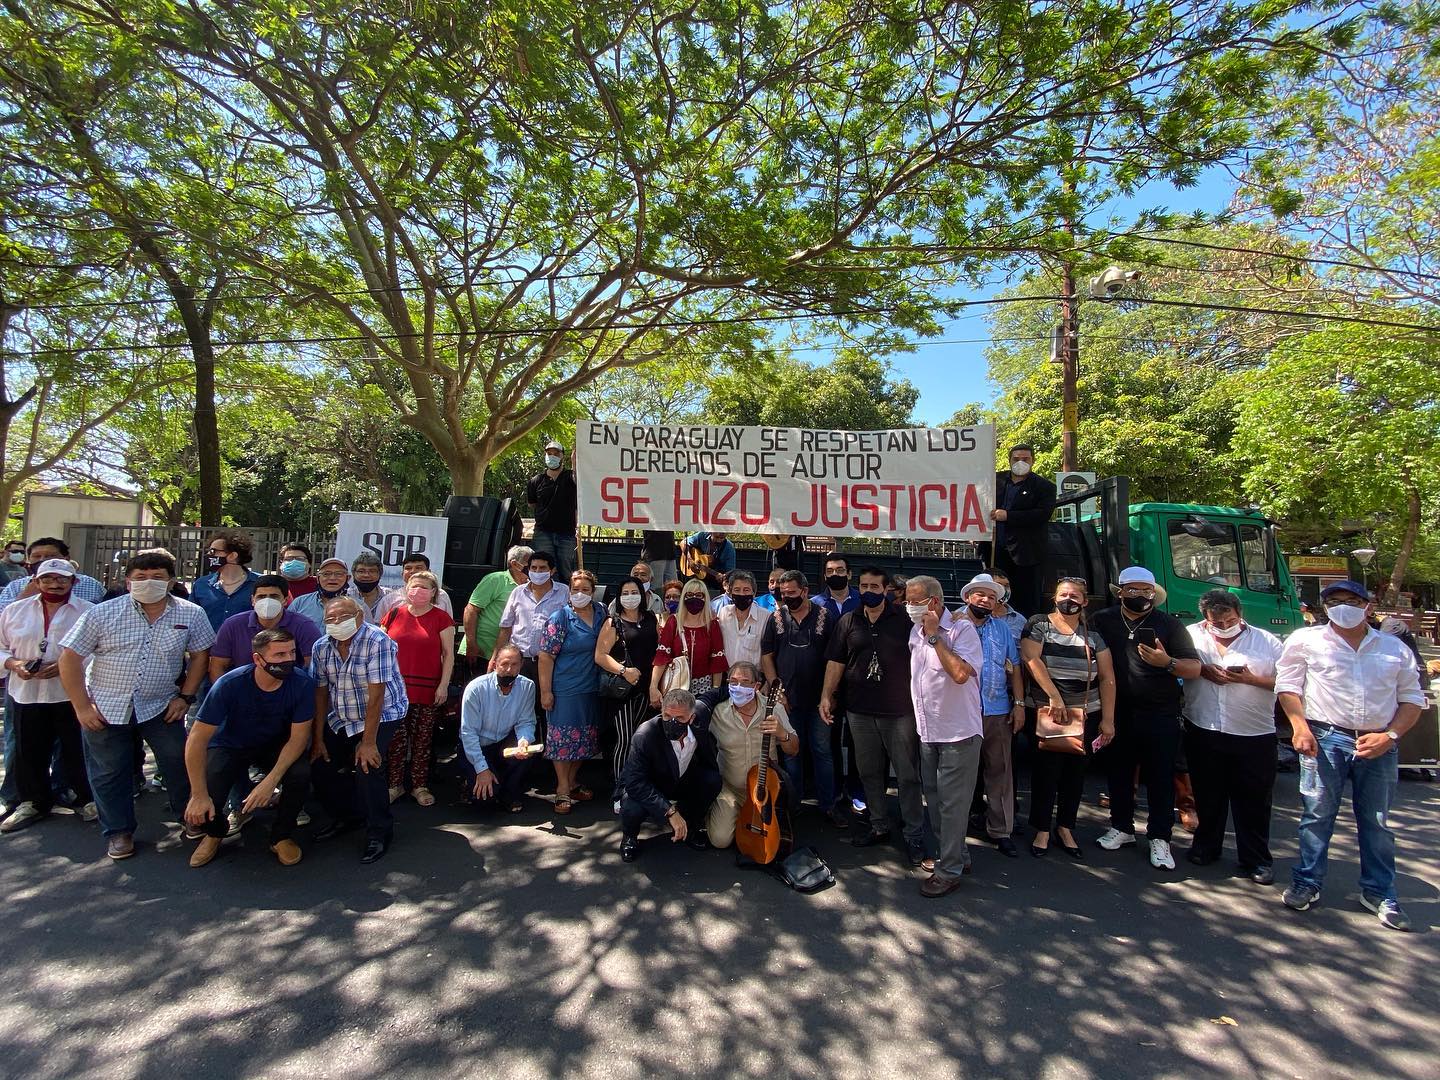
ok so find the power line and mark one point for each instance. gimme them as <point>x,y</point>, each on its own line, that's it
<point>1312,259</point>
<point>1422,327</point>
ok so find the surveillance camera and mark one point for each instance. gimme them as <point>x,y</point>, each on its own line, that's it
<point>1109,284</point>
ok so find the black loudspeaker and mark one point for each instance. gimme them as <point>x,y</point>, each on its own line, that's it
<point>460,582</point>
<point>480,530</point>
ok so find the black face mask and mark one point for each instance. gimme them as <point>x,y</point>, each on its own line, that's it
<point>1068,607</point>
<point>792,602</point>
<point>980,614</point>
<point>281,669</point>
<point>694,604</point>
<point>837,581</point>
<point>674,729</point>
<point>367,586</point>
<point>215,562</point>
<point>742,603</point>
<point>775,592</point>
<point>327,594</point>
<point>872,599</point>
<point>1138,604</point>
<point>505,680</point>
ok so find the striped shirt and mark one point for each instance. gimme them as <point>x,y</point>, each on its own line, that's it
<point>372,659</point>
<point>135,665</point>
<point>1064,657</point>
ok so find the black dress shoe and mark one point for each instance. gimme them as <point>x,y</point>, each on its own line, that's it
<point>374,849</point>
<point>336,828</point>
<point>916,853</point>
<point>1039,852</point>
<point>698,839</point>
<point>869,838</point>
<point>1006,847</point>
<point>1199,858</point>
<point>629,849</point>
<point>1073,852</point>
<point>1262,875</point>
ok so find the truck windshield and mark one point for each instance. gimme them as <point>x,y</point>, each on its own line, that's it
<point>1214,559</point>
<point>1259,572</point>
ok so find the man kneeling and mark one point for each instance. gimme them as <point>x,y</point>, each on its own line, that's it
<point>670,776</point>
<point>260,715</point>
<point>739,723</point>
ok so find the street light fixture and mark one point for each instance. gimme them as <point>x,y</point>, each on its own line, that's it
<point>1065,349</point>
<point>1364,556</point>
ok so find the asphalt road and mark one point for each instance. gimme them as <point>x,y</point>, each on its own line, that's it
<point>523,947</point>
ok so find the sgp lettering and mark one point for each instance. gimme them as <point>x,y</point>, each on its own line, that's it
<point>392,547</point>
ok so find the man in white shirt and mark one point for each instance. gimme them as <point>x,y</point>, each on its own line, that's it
<point>1230,734</point>
<point>1349,692</point>
<point>742,621</point>
<point>30,633</point>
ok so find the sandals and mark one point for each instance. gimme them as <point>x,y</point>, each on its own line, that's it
<point>423,796</point>
<point>396,793</point>
<point>581,794</point>
<point>564,804</point>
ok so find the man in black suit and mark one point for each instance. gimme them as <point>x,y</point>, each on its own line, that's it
<point>1023,505</point>
<point>671,776</point>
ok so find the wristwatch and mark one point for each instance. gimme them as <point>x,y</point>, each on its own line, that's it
<point>189,699</point>
<point>1170,667</point>
<point>1394,736</point>
<point>932,639</point>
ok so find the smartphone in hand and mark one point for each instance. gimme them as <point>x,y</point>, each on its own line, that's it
<point>1148,638</point>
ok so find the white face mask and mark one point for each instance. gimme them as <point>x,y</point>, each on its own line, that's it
<point>1228,633</point>
<point>581,599</point>
<point>1020,468</point>
<point>149,590</point>
<point>1346,616</point>
<point>17,556</point>
<point>267,607</point>
<point>917,612</point>
<point>552,461</point>
<point>645,585</point>
<point>343,631</point>
<point>630,601</point>
<point>539,577</point>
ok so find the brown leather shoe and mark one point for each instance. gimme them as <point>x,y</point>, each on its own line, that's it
<point>204,851</point>
<point>935,885</point>
<point>287,851</point>
<point>120,846</point>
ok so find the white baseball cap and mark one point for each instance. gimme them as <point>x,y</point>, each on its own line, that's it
<point>56,566</point>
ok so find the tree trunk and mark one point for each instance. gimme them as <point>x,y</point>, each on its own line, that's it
<point>207,426</point>
<point>467,472</point>
<point>1407,544</point>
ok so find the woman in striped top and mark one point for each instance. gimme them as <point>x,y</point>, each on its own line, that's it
<point>1069,666</point>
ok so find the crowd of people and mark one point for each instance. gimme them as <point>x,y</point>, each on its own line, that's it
<point>262,688</point>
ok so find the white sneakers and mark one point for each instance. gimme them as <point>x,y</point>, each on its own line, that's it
<point>1160,856</point>
<point>25,815</point>
<point>1114,840</point>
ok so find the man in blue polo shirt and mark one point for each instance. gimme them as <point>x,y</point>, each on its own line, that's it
<point>839,596</point>
<point>259,714</point>
<point>226,590</point>
<point>271,611</point>
<point>708,556</point>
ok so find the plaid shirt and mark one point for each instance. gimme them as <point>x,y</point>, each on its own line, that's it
<point>134,664</point>
<point>372,659</point>
<point>86,588</point>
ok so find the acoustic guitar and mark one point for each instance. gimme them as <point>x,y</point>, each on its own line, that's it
<point>758,828</point>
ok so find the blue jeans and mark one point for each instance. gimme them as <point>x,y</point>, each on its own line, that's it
<point>1372,786</point>
<point>563,549</point>
<point>814,736</point>
<point>110,761</point>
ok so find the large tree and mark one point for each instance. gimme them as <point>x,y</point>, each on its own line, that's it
<point>504,201</point>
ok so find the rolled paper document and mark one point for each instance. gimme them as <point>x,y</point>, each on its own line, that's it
<point>514,751</point>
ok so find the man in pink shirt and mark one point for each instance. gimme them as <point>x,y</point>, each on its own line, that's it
<point>945,659</point>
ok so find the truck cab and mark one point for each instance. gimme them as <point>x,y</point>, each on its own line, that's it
<point>1190,548</point>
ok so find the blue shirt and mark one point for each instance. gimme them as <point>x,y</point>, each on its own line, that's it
<point>998,644</point>
<point>248,718</point>
<point>217,603</point>
<point>836,607</point>
<point>348,679</point>
<point>312,606</point>
<point>722,561</point>
<point>86,588</point>
<point>487,716</point>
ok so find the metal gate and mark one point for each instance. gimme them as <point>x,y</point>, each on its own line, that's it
<point>102,550</point>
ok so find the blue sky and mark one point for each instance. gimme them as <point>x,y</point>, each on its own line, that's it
<point>950,371</point>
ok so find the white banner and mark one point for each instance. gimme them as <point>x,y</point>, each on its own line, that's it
<point>935,483</point>
<point>392,537</point>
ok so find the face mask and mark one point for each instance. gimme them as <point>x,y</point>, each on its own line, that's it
<point>581,599</point>
<point>742,603</point>
<point>267,607</point>
<point>281,670</point>
<point>17,556</point>
<point>1226,634</point>
<point>1020,468</point>
<point>539,577</point>
<point>1005,596</point>
<point>552,461</point>
<point>872,599</point>
<point>917,612</point>
<point>1346,616</point>
<point>980,614</point>
<point>294,569</point>
<point>1068,606</point>
<point>837,581</point>
<point>645,585</point>
<point>505,680</point>
<point>742,695</point>
<point>149,590</point>
<point>631,601</point>
<point>343,631</point>
<point>58,597</point>
<point>694,604</point>
<point>419,595</point>
<point>367,586</point>
<point>672,606</point>
<point>674,729</point>
<point>793,602</point>
<point>329,594</point>
<point>215,562</point>
<point>1138,604</point>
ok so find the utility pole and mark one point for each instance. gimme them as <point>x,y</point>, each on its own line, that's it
<point>1069,367</point>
